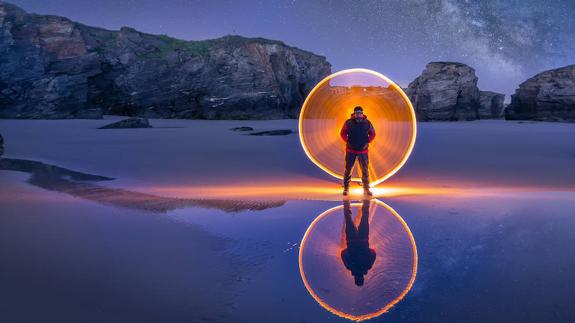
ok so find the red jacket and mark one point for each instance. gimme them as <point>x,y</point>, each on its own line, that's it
<point>357,134</point>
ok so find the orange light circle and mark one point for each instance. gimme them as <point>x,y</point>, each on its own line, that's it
<point>331,102</point>
<point>386,283</point>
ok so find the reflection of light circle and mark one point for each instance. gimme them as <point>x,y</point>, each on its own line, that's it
<point>386,283</point>
<point>330,103</point>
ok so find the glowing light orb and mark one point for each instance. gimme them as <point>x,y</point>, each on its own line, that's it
<point>330,281</point>
<point>331,102</point>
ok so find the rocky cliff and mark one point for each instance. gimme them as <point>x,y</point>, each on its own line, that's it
<point>52,67</point>
<point>448,91</point>
<point>547,96</point>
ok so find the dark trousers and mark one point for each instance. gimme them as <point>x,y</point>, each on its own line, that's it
<point>356,236</point>
<point>363,163</point>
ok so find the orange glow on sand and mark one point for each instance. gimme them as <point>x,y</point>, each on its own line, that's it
<point>326,191</point>
<point>386,283</point>
<point>331,102</point>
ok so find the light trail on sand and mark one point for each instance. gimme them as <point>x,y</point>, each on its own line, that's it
<point>331,192</point>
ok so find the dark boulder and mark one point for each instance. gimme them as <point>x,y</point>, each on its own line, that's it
<point>242,129</point>
<point>129,123</point>
<point>281,132</point>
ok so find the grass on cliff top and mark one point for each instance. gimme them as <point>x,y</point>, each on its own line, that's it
<point>201,47</point>
<point>158,46</point>
<point>169,44</point>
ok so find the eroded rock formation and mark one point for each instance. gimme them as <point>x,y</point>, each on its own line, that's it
<point>491,105</point>
<point>448,91</point>
<point>547,96</point>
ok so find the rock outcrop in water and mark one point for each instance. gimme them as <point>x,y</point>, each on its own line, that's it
<point>547,96</point>
<point>1,145</point>
<point>52,67</point>
<point>448,91</point>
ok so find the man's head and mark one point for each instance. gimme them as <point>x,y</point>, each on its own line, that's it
<point>358,111</point>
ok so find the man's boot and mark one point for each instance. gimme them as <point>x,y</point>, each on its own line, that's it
<point>364,165</point>
<point>366,190</point>
<point>346,181</point>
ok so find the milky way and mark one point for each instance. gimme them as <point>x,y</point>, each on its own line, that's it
<point>505,41</point>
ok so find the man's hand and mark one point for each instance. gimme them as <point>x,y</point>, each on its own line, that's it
<point>343,132</point>
<point>370,133</point>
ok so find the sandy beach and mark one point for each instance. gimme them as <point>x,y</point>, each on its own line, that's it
<point>185,157</point>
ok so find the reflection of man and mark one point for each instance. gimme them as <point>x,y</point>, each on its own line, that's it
<point>357,132</point>
<point>357,257</point>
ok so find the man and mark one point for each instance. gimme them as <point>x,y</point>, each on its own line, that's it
<point>357,256</point>
<point>357,132</point>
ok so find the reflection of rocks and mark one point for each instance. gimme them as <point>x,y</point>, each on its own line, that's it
<point>129,123</point>
<point>281,132</point>
<point>67,181</point>
<point>242,129</point>
<point>52,67</point>
<point>490,105</point>
<point>448,91</point>
<point>1,145</point>
<point>49,171</point>
<point>547,96</point>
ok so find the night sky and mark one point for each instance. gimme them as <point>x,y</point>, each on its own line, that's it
<point>505,41</point>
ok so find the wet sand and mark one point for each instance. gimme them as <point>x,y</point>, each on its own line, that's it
<point>489,205</point>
